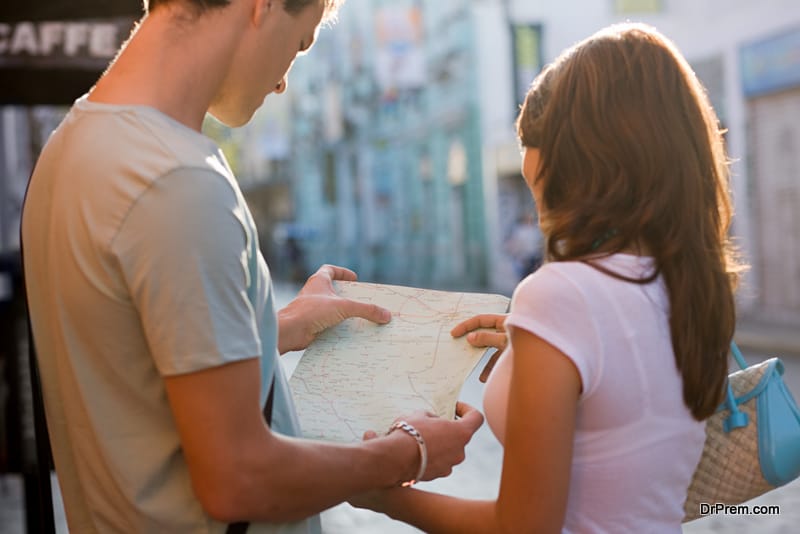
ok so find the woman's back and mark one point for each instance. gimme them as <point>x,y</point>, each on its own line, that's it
<point>636,443</point>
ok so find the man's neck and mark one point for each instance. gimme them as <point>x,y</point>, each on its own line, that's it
<point>174,67</point>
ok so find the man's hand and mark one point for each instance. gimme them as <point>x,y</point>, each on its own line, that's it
<point>445,439</point>
<point>317,307</point>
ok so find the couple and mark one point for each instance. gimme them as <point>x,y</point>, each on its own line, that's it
<point>158,339</point>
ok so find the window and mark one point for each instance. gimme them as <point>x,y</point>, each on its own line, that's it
<point>638,6</point>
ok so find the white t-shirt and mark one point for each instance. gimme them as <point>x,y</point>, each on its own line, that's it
<point>636,443</point>
<point>142,262</point>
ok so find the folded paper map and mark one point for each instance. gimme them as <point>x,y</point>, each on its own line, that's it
<point>361,376</point>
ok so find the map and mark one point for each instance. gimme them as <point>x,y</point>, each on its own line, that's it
<point>361,376</point>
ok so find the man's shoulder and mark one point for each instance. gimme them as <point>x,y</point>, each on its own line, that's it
<point>137,137</point>
<point>106,158</point>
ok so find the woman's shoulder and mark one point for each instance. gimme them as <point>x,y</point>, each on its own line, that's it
<point>627,265</point>
<point>558,275</point>
<point>563,283</point>
<point>583,279</point>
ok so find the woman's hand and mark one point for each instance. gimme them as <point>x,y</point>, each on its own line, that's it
<point>480,334</point>
<point>317,307</point>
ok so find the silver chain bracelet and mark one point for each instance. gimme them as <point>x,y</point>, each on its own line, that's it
<point>423,450</point>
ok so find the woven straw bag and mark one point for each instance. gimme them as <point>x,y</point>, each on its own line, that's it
<point>752,442</point>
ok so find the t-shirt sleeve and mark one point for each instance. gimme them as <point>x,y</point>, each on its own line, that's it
<point>551,305</point>
<point>183,251</point>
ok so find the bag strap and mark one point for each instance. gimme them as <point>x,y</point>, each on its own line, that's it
<point>737,355</point>
<point>44,520</point>
<point>737,418</point>
<point>241,526</point>
<point>44,454</point>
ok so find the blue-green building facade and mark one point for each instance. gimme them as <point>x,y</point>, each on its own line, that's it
<point>387,170</point>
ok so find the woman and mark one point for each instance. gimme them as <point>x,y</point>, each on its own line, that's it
<point>617,346</point>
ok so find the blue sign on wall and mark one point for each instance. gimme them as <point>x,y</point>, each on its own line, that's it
<point>772,64</point>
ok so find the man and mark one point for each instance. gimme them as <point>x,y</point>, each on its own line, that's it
<point>152,307</point>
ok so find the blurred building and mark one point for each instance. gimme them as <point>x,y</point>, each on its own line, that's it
<point>406,164</point>
<point>394,152</point>
<point>387,145</point>
<point>748,56</point>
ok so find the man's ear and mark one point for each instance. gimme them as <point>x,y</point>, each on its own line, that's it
<point>262,9</point>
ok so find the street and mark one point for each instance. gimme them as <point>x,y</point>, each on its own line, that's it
<point>478,477</point>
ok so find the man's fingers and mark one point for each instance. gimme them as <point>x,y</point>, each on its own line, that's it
<point>371,312</point>
<point>321,282</point>
<point>334,272</point>
<point>469,416</point>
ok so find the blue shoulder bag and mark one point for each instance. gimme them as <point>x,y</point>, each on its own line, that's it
<point>752,441</point>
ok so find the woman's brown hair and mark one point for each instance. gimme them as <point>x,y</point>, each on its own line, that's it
<point>632,155</point>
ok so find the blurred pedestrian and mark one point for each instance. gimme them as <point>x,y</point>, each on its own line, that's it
<point>297,260</point>
<point>152,306</point>
<point>617,345</point>
<point>525,246</point>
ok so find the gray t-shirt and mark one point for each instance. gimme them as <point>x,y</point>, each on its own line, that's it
<point>142,262</point>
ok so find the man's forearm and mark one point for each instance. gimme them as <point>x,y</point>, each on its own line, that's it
<point>307,476</point>
<point>292,478</point>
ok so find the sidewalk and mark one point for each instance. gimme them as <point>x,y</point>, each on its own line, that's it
<point>768,338</point>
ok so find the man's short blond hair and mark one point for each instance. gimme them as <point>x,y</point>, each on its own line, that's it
<point>292,7</point>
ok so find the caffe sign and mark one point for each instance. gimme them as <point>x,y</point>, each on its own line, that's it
<point>75,44</point>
